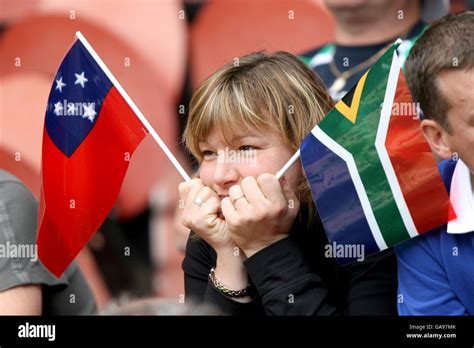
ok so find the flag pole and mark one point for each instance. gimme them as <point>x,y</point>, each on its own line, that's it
<point>288,164</point>
<point>134,107</point>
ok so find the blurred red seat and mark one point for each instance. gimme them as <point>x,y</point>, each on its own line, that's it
<point>22,95</point>
<point>227,29</point>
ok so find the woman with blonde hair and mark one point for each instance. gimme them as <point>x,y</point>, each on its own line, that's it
<point>257,245</point>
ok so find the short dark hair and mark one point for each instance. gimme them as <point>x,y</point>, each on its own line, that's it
<point>446,45</point>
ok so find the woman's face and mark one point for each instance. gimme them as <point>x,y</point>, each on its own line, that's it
<point>250,154</point>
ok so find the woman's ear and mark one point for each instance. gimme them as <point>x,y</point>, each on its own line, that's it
<point>436,136</point>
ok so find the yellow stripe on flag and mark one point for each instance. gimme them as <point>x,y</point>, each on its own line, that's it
<point>351,112</point>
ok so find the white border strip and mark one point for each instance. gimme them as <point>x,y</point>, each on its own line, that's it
<point>359,186</point>
<point>382,150</point>
<point>130,102</point>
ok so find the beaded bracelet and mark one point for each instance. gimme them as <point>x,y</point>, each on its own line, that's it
<point>228,292</point>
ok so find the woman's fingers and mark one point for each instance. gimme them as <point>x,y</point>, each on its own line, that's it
<point>185,189</point>
<point>207,213</point>
<point>252,191</point>
<point>210,206</point>
<point>201,201</point>
<point>271,188</point>
<point>229,211</point>
<point>193,193</point>
<point>199,197</point>
<point>196,199</point>
<point>186,186</point>
<point>238,199</point>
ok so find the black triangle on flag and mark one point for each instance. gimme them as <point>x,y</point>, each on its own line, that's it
<point>347,99</point>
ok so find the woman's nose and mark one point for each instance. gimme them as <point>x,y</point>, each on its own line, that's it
<point>225,175</point>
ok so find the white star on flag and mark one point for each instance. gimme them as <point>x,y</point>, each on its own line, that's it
<point>58,108</point>
<point>89,112</point>
<point>60,84</point>
<point>80,79</point>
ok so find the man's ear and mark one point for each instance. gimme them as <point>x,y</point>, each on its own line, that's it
<point>436,136</point>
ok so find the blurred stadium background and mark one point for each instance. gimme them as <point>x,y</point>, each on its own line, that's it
<point>159,51</point>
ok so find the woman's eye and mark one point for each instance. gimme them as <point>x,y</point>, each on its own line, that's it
<point>208,154</point>
<point>247,148</point>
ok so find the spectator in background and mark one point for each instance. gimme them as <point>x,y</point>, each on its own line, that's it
<point>364,30</point>
<point>436,270</point>
<point>26,286</point>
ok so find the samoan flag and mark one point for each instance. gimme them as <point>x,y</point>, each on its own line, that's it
<point>373,177</point>
<point>90,133</point>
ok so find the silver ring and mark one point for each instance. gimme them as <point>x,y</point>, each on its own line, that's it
<point>199,201</point>
<point>237,198</point>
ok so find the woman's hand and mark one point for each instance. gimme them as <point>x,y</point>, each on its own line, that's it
<point>259,212</point>
<point>204,218</point>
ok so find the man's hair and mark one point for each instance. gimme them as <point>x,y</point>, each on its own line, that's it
<point>447,44</point>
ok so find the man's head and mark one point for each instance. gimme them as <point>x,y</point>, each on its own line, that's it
<point>368,22</point>
<point>440,74</point>
<point>367,9</point>
<point>370,11</point>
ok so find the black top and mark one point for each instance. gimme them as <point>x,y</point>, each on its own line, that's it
<point>293,277</point>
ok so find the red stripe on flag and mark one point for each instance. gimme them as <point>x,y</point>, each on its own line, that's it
<point>79,192</point>
<point>414,164</point>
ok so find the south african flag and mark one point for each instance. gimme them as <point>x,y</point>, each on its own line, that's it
<point>373,177</point>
